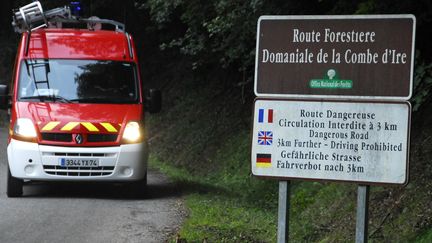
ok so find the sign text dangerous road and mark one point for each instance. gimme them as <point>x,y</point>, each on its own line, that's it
<point>342,141</point>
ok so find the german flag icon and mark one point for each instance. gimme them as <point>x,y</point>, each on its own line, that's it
<point>263,160</point>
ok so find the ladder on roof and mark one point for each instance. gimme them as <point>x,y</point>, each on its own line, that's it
<point>44,66</point>
<point>31,17</point>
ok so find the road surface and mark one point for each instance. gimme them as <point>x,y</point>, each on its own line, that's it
<point>88,212</point>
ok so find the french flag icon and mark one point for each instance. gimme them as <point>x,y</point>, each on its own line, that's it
<point>265,116</point>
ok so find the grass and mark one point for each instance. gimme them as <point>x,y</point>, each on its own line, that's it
<point>226,219</point>
<point>426,237</point>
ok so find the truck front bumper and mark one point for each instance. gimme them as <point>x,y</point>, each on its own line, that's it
<point>31,161</point>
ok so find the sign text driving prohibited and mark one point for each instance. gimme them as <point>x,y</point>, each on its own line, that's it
<point>330,140</point>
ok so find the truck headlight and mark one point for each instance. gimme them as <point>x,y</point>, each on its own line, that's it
<point>132,133</point>
<point>24,129</point>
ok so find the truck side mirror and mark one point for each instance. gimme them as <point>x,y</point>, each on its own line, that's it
<point>4,97</point>
<point>153,101</point>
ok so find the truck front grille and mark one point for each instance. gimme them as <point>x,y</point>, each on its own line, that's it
<point>101,138</point>
<point>67,137</point>
<point>78,171</point>
<point>59,154</point>
<point>57,137</point>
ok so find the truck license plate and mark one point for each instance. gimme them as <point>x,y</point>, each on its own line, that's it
<point>66,162</point>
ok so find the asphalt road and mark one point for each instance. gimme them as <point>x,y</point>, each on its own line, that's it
<point>88,212</point>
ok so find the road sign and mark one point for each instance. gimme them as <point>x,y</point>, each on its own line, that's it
<point>352,56</point>
<point>331,140</point>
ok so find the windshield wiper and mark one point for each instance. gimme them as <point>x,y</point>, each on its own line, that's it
<point>43,98</point>
<point>91,99</point>
<point>103,100</point>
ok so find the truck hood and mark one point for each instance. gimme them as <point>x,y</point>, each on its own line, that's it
<point>58,115</point>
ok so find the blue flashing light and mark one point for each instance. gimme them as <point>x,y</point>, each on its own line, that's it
<point>76,8</point>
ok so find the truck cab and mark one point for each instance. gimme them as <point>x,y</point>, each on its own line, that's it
<point>76,103</point>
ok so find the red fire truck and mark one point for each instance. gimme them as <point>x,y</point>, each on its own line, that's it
<point>76,101</point>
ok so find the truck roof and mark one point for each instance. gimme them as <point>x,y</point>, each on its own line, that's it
<point>79,44</point>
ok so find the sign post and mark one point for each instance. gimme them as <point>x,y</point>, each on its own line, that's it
<point>332,103</point>
<point>283,211</point>
<point>362,214</point>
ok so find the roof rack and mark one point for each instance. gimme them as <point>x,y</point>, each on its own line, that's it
<point>91,22</point>
<point>31,17</point>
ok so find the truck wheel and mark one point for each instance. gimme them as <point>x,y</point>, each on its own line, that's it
<point>14,185</point>
<point>139,187</point>
<point>142,184</point>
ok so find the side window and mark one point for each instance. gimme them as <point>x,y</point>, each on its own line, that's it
<point>14,76</point>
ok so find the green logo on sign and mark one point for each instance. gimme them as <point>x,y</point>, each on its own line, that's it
<point>331,81</point>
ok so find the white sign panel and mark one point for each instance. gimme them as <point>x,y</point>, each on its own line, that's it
<point>341,141</point>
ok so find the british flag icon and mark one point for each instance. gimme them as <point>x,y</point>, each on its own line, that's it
<point>265,137</point>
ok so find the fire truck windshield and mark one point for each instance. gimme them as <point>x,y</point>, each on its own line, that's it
<point>78,81</point>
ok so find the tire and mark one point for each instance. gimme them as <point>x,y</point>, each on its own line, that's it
<point>14,185</point>
<point>138,188</point>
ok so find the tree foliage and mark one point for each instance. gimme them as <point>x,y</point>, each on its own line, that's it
<point>221,33</point>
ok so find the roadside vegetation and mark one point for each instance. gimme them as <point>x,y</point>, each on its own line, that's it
<point>205,149</point>
<point>202,138</point>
